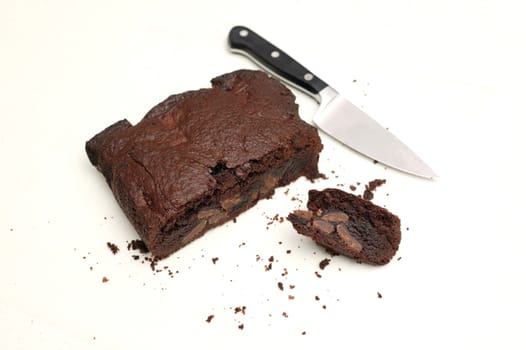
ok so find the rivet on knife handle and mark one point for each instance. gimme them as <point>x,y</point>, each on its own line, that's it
<point>245,41</point>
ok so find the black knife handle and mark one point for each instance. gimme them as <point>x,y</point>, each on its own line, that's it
<point>245,41</point>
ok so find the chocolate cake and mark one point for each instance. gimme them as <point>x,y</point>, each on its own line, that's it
<point>200,158</point>
<point>349,225</point>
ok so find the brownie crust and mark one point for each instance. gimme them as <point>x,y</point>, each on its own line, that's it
<point>200,158</point>
<point>349,225</point>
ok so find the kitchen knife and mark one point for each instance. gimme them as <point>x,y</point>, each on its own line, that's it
<point>336,116</point>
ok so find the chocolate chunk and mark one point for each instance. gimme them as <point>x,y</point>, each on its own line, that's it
<point>347,237</point>
<point>323,226</point>
<point>336,216</point>
<point>206,213</point>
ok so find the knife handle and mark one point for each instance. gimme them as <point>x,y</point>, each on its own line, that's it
<point>245,41</point>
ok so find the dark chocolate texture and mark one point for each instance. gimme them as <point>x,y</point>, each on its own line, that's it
<point>349,225</point>
<point>200,158</point>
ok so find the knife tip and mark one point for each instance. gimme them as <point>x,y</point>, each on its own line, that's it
<point>430,175</point>
<point>426,173</point>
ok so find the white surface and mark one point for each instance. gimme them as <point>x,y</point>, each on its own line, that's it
<point>444,76</point>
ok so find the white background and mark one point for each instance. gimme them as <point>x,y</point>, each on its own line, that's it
<point>447,77</point>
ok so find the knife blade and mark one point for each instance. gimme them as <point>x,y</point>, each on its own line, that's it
<point>335,116</point>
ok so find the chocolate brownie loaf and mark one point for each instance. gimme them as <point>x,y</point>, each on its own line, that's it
<point>349,225</point>
<point>200,158</point>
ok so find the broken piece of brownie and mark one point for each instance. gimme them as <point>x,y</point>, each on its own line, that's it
<point>349,225</point>
<point>200,158</point>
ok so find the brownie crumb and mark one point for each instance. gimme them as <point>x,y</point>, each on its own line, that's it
<point>234,220</point>
<point>303,333</point>
<point>209,318</point>
<point>324,263</point>
<point>288,251</point>
<point>135,257</point>
<point>285,272</point>
<point>370,187</point>
<point>139,245</point>
<point>324,307</point>
<point>284,314</point>
<point>268,267</point>
<point>291,286</point>
<point>352,188</point>
<point>291,297</point>
<point>280,286</point>
<point>241,326</point>
<point>113,247</point>
<point>272,219</point>
<point>105,279</point>
<point>379,295</point>
<point>317,274</point>
<point>317,298</point>
<point>153,262</point>
<point>368,195</point>
<point>271,259</point>
<point>214,260</point>
<point>239,309</point>
<point>407,228</point>
<point>399,258</point>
